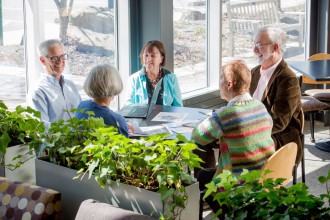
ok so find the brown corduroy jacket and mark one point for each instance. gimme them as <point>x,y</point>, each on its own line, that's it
<point>282,100</point>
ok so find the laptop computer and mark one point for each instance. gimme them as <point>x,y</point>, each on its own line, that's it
<point>141,110</point>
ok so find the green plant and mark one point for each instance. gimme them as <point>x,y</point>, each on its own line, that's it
<point>20,126</point>
<point>153,163</point>
<point>64,138</point>
<point>246,198</point>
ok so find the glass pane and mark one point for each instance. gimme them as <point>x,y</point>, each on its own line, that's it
<point>88,33</point>
<point>12,71</point>
<point>189,23</point>
<point>241,18</point>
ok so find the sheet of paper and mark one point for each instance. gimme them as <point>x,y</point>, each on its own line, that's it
<point>182,130</point>
<point>134,120</point>
<point>150,130</point>
<point>191,124</point>
<point>170,116</point>
<point>208,113</point>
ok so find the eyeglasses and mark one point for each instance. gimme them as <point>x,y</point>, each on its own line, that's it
<point>259,45</point>
<point>57,58</point>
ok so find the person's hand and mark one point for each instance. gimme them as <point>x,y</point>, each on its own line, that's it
<point>130,128</point>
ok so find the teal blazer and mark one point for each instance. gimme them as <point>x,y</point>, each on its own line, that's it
<point>136,91</point>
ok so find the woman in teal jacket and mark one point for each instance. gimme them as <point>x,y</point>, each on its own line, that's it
<point>141,84</point>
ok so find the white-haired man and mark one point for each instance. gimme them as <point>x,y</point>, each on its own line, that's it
<point>53,95</point>
<point>277,87</point>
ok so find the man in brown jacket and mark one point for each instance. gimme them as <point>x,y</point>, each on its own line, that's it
<point>277,87</point>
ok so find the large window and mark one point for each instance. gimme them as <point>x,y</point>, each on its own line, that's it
<point>203,38</point>
<point>87,29</point>
<point>12,71</point>
<point>199,33</point>
<point>189,27</point>
<point>241,18</point>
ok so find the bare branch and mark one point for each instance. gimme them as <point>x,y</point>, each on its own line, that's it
<point>70,7</point>
<point>58,4</point>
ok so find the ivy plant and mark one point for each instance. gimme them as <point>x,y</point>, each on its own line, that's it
<point>64,138</point>
<point>20,126</point>
<point>154,163</point>
<point>246,197</point>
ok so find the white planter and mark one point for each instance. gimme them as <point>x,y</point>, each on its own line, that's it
<point>128,197</point>
<point>26,172</point>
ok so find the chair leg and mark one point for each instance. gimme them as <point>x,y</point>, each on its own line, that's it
<point>294,174</point>
<point>303,159</point>
<point>311,121</point>
<point>201,206</point>
<point>303,168</point>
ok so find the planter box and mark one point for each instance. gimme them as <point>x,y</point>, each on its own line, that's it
<point>26,172</point>
<point>74,192</point>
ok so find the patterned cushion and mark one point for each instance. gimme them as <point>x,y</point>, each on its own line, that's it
<point>25,201</point>
<point>312,104</point>
<point>320,94</point>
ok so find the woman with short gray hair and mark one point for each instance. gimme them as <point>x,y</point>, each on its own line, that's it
<point>102,84</point>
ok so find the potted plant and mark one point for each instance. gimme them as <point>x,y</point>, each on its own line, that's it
<point>244,197</point>
<point>19,136</point>
<point>147,175</point>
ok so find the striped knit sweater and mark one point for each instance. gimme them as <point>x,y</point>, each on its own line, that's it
<point>244,130</point>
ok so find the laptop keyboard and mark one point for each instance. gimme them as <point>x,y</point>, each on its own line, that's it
<point>139,111</point>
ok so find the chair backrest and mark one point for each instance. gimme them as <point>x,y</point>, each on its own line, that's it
<point>281,163</point>
<point>318,56</point>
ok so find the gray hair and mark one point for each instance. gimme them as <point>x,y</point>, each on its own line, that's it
<point>276,35</point>
<point>103,81</point>
<point>45,45</point>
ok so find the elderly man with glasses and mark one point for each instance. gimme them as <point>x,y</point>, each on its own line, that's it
<point>277,87</point>
<point>53,95</point>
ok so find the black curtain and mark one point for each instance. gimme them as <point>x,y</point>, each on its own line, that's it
<point>317,19</point>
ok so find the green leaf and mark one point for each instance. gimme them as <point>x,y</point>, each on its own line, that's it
<point>92,166</point>
<point>104,172</point>
<point>150,157</point>
<point>169,192</point>
<point>4,141</point>
<point>181,138</point>
<point>211,188</point>
<point>322,179</point>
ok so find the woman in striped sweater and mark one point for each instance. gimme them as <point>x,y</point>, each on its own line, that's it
<point>243,127</point>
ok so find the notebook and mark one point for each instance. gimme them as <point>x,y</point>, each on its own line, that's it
<point>141,110</point>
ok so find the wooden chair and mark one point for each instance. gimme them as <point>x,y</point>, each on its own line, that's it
<point>317,93</point>
<point>282,163</point>
<point>309,104</point>
<point>320,94</point>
